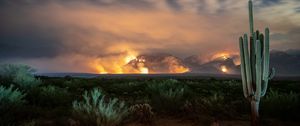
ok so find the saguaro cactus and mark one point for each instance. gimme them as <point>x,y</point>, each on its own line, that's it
<point>255,66</point>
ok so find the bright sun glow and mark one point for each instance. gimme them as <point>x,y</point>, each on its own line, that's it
<point>144,70</point>
<point>131,62</point>
<point>141,66</point>
<point>224,69</point>
<point>223,55</point>
<point>128,58</point>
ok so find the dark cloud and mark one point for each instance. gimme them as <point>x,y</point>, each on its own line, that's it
<point>297,9</point>
<point>30,44</point>
<point>125,3</point>
<point>22,38</point>
<point>278,36</point>
<point>291,39</point>
<point>285,62</point>
<point>271,2</point>
<point>294,37</point>
<point>174,4</point>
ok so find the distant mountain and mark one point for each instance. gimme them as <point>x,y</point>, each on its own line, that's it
<point>159,63</point>
<point>293,52</point>
<point>286,63</point>
<point>193,61</point>
<point>214,66</point>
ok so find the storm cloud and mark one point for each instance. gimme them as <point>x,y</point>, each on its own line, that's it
<point>46,33</point>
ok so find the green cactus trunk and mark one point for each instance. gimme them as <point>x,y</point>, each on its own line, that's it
<point>255,66</point>
<point>254,113</point>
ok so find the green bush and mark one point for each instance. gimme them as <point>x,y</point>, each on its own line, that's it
<point>214,105</point>
<point>10,70</point>
<point>21,75</point>
<point>10,102</point>
<point>26,80</point>
<point>124,87</point>
<point>282,105</point>
<point>168,95</point>
<point>9,96</point>
<point>30,123</point>
<point>78,85</point>
<point>49,96</point>
<point>156,86</point>
<point>95,109</point>
<point>130,90</point>
<point>142,113</point>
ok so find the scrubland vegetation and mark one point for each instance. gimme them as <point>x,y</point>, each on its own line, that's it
<point>29,100</point>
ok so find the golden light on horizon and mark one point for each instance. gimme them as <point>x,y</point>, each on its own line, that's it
<point>224,69</point>
<point>223,55</point>
<point>141,66</point>
<point>144,70</point>
<point>129,58</point>
<point>179,69</point>
<point>103,72</point>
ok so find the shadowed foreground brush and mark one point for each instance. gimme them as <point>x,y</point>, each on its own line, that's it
<point>167,96</point>
<point>282,103</point>
<point>95,109</point>
<point>142,113</point>
<point>216,105</point>
<point>49,96</point>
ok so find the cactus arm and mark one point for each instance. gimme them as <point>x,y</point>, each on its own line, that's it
<point>252,60</point>
<point>266,62</point>
<point>262,41</point>
<point>244,78</point>
<point>257,34</point>
<point>272,74</point>
<point>258,71</point>
<point>247,65</point>
<point>250,6</point>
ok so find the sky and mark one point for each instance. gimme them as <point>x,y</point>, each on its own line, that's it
<point>93,35</point>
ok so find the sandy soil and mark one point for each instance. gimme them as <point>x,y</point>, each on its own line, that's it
<point>165,121</point>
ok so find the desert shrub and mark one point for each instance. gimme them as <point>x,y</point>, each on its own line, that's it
<point>190,109</point>
<point>49,96</point>
<point>215,105</point>
<point>10,102</point>
<point>156,86</point>
<point>231,89</point>
<point>131,91</point>
<point>124,87</point>
<point>283,105</point>
<point>30,123</point>
<point>168,95</point>
<point>21,75</point>
<point>142,113</point>
<point>78,85</point>
<point>68,78</point>
<point>95,109</point>
<point>10,96</point>
<point>58,96</point>
<point>10,70</point>
<point>26,80</point>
